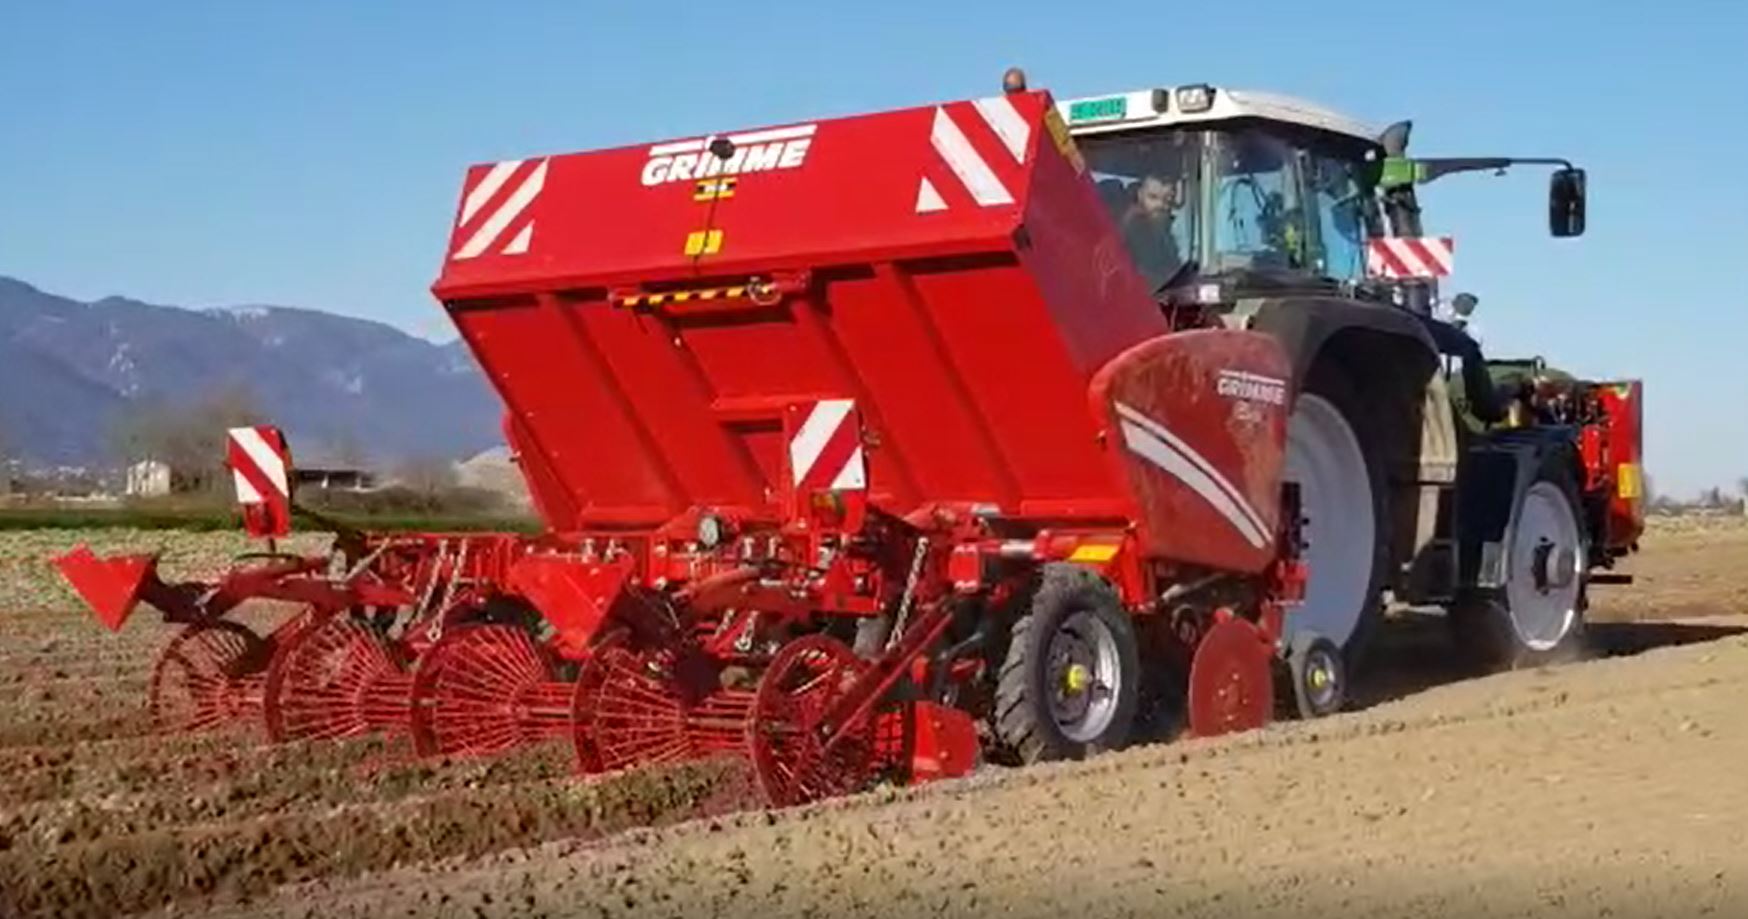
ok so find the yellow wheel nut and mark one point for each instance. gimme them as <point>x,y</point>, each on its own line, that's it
<point>1075,678</point>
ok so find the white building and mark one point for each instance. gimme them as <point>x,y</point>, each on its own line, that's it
<point>148,479</point>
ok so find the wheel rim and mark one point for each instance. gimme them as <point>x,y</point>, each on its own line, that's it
<point>1321,677</point>
<point>1547,562</point>
<point>1335,500</point>
<point>1083,677</point>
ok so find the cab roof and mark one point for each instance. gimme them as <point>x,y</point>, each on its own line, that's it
<point>1143,108</point>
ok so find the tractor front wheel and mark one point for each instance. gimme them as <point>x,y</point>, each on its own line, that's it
<point>1318,674</point>
<point>1069,685</point>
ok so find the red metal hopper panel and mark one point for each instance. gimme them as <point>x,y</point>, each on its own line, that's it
<point>1617,460</point>
<point>947,268</point>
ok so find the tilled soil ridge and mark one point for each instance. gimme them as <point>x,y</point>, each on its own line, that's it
<point>1610,788</point>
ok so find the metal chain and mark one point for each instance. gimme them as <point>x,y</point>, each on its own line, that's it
<point>436,630</point>
<point>431,586</point>
<point>904,603</point>
<point>366,561</point>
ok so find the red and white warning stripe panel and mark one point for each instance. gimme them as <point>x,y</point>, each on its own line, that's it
<point>496,211</point>
<point>825,449</point>
<point>259,464</point>
<point>261,470</point>
<point>1410,256</point>
<point>980,146</point>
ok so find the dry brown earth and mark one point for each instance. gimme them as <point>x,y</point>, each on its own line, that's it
<point>1613,787</point>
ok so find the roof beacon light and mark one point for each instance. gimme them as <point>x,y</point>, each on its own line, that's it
<point>1197,98</point>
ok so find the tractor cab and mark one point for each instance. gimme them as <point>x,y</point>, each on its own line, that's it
<point>1242,189</point>
<point>1222,193</point>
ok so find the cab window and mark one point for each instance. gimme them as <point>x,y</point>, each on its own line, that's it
<point>1341,205</point>
<point>1258,216</point>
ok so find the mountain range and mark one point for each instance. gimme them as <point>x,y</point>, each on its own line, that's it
<point>71,371</point>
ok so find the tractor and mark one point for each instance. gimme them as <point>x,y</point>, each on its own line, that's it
<point>1426,473</point>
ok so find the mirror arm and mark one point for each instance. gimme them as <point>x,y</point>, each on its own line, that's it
<point>1429,169</point>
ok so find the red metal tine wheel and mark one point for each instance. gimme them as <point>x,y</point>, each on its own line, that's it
<point>483,689</point>
<point>633,710</point>
<point>1232,685</point>
<point>334,680</point>
<point>210,675</point>
<point>790,759</point>
<point>590,676</point>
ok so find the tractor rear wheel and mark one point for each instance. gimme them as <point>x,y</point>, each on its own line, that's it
<point>1342,501</point>
<point>1070,682</point>
<point>1538,615</point>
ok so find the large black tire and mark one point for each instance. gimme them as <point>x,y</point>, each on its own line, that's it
<point>1332,384</point>
<point>1481,621</point>
<point>1085,611</point>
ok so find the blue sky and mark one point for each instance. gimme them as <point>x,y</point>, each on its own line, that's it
<point>207,153</point>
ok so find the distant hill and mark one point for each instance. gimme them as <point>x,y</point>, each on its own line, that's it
<point>336,384</point>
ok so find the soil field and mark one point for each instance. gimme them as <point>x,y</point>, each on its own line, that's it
<point>1609,787</point>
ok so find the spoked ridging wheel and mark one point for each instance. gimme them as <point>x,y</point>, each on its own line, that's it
<point>211,674</point>
<point>483,689</point>
<point>337,679</point>
<point>791,758</point>
<point>627,711</point>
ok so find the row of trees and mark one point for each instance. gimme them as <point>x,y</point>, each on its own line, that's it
<point>189,439</point>
<point>1715,498</point>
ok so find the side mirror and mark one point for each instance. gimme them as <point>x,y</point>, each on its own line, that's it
<point>1464,304</point>
<point>1566,203</point>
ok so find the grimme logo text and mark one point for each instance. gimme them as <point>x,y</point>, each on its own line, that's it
<point>1251,387</point>
<point>754,151</point>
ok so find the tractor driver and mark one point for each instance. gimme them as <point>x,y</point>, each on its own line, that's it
<point>1147,229</point>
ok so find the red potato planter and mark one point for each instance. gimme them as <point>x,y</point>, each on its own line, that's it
<point>847,436</point>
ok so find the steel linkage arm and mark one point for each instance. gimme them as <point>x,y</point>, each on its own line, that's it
<point>856,704</point>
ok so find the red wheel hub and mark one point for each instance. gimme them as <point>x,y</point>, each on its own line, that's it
<point>1231,682</point>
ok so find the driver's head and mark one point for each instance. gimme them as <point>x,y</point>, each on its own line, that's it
<point>1156,197</point>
